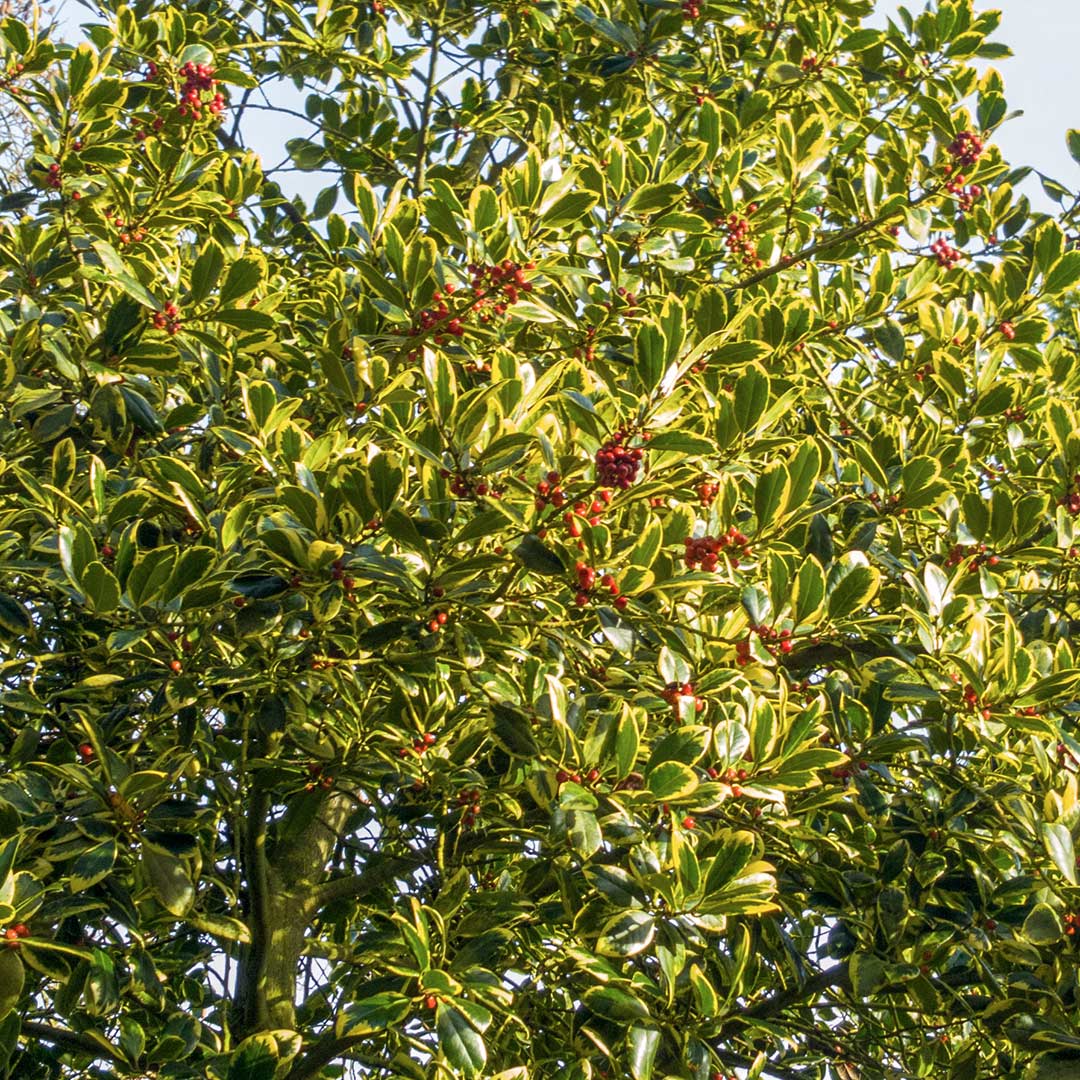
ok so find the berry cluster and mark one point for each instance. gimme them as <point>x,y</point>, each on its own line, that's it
<point>586,581</point>
<point>55,179</point>
<point>469,801</point>
<point>14,934</point>
<point>564,777</point>
<point>318,778</point>
<point>131,233</point>
<point>844,772</point>
<point>1071,922</point>
<point>1015,415</point>
<point>673,692</point>
<point>629,299</point>
<point>587,350</point>
<point>141,134</point>
<point>774,642</point>
<point>1071,499</point>
<point>966,197</point>
<point>494,287</point>
<point>811,65</point>
<point>706,550</point>
<point>8,76</point>
<point>700,96</point>
<point>337,572</point>
<point>1008,331</point>
<point>947,256</point>
<point>497,285</point>
<point>590,512</point>
<point>890,502</point>
<point>199,79</point>
<point>923,372</point>
<point>707,492</point>
<point>616,465</point>
<point>965,150</point>
<point>959,552</point>
<point>549,492</point>
<point>691,9</point>
<point>729,776</point>
<point>419,747</point>
<point>86,753</point>
<point>469,485</point>
<point>440,317</point>
<point>780,638</point>
<point>736,239</point>
<point>168,318</point>
<point>973,704</point>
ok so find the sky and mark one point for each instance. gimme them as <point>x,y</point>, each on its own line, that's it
<point>1042,79</point>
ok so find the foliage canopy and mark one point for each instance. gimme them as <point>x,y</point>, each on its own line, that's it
<point>591,597</point>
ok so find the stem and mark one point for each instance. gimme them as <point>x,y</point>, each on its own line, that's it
<point>822,245</point>
<point>251,976</point>
<point>73,1040</point>
<point>420,174</point>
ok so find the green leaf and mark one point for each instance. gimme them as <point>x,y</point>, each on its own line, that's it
<point>770,494</point>
<point>868,974</point>
<point>626,934</point>
<point>672,780</point>
<point>256,1058</point>
<point>1063,274</point>
<point>613,1003</point>
<point>851,588</point>
<point>92,866</point>
<point>461,1044</point>
<point>584,832</point>
<point>536,556</point>
<point>169,879</point>
<point>205,272</point>
<point>259,584</point>
<point>101,588</point>
<point>683,442</point>
<point>569,209</point>
<point>643,1043</point>
<point>243,276</point>
<point>861,39</point>
<point>808,595</point>
<point>751,398</point>
<point>1042,926</point>
<point>651,198</point>
<point>1059,846</point>
<point>374,1013</point>
<point>890,338</point>
<point>1072,140</point>
<point>512,730</point>
<point>14,618</point>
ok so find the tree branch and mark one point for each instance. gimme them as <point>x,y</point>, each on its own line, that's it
<point>371,878</point>
<point>830,241</point>
<point>425,115</point>
<point>837,976</point>
<point>73,1040</point>
<point>322,1053</point>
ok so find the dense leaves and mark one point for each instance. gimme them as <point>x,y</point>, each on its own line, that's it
<point>591,596</point>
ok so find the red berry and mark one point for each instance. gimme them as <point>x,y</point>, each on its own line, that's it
<point>175,667</point>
